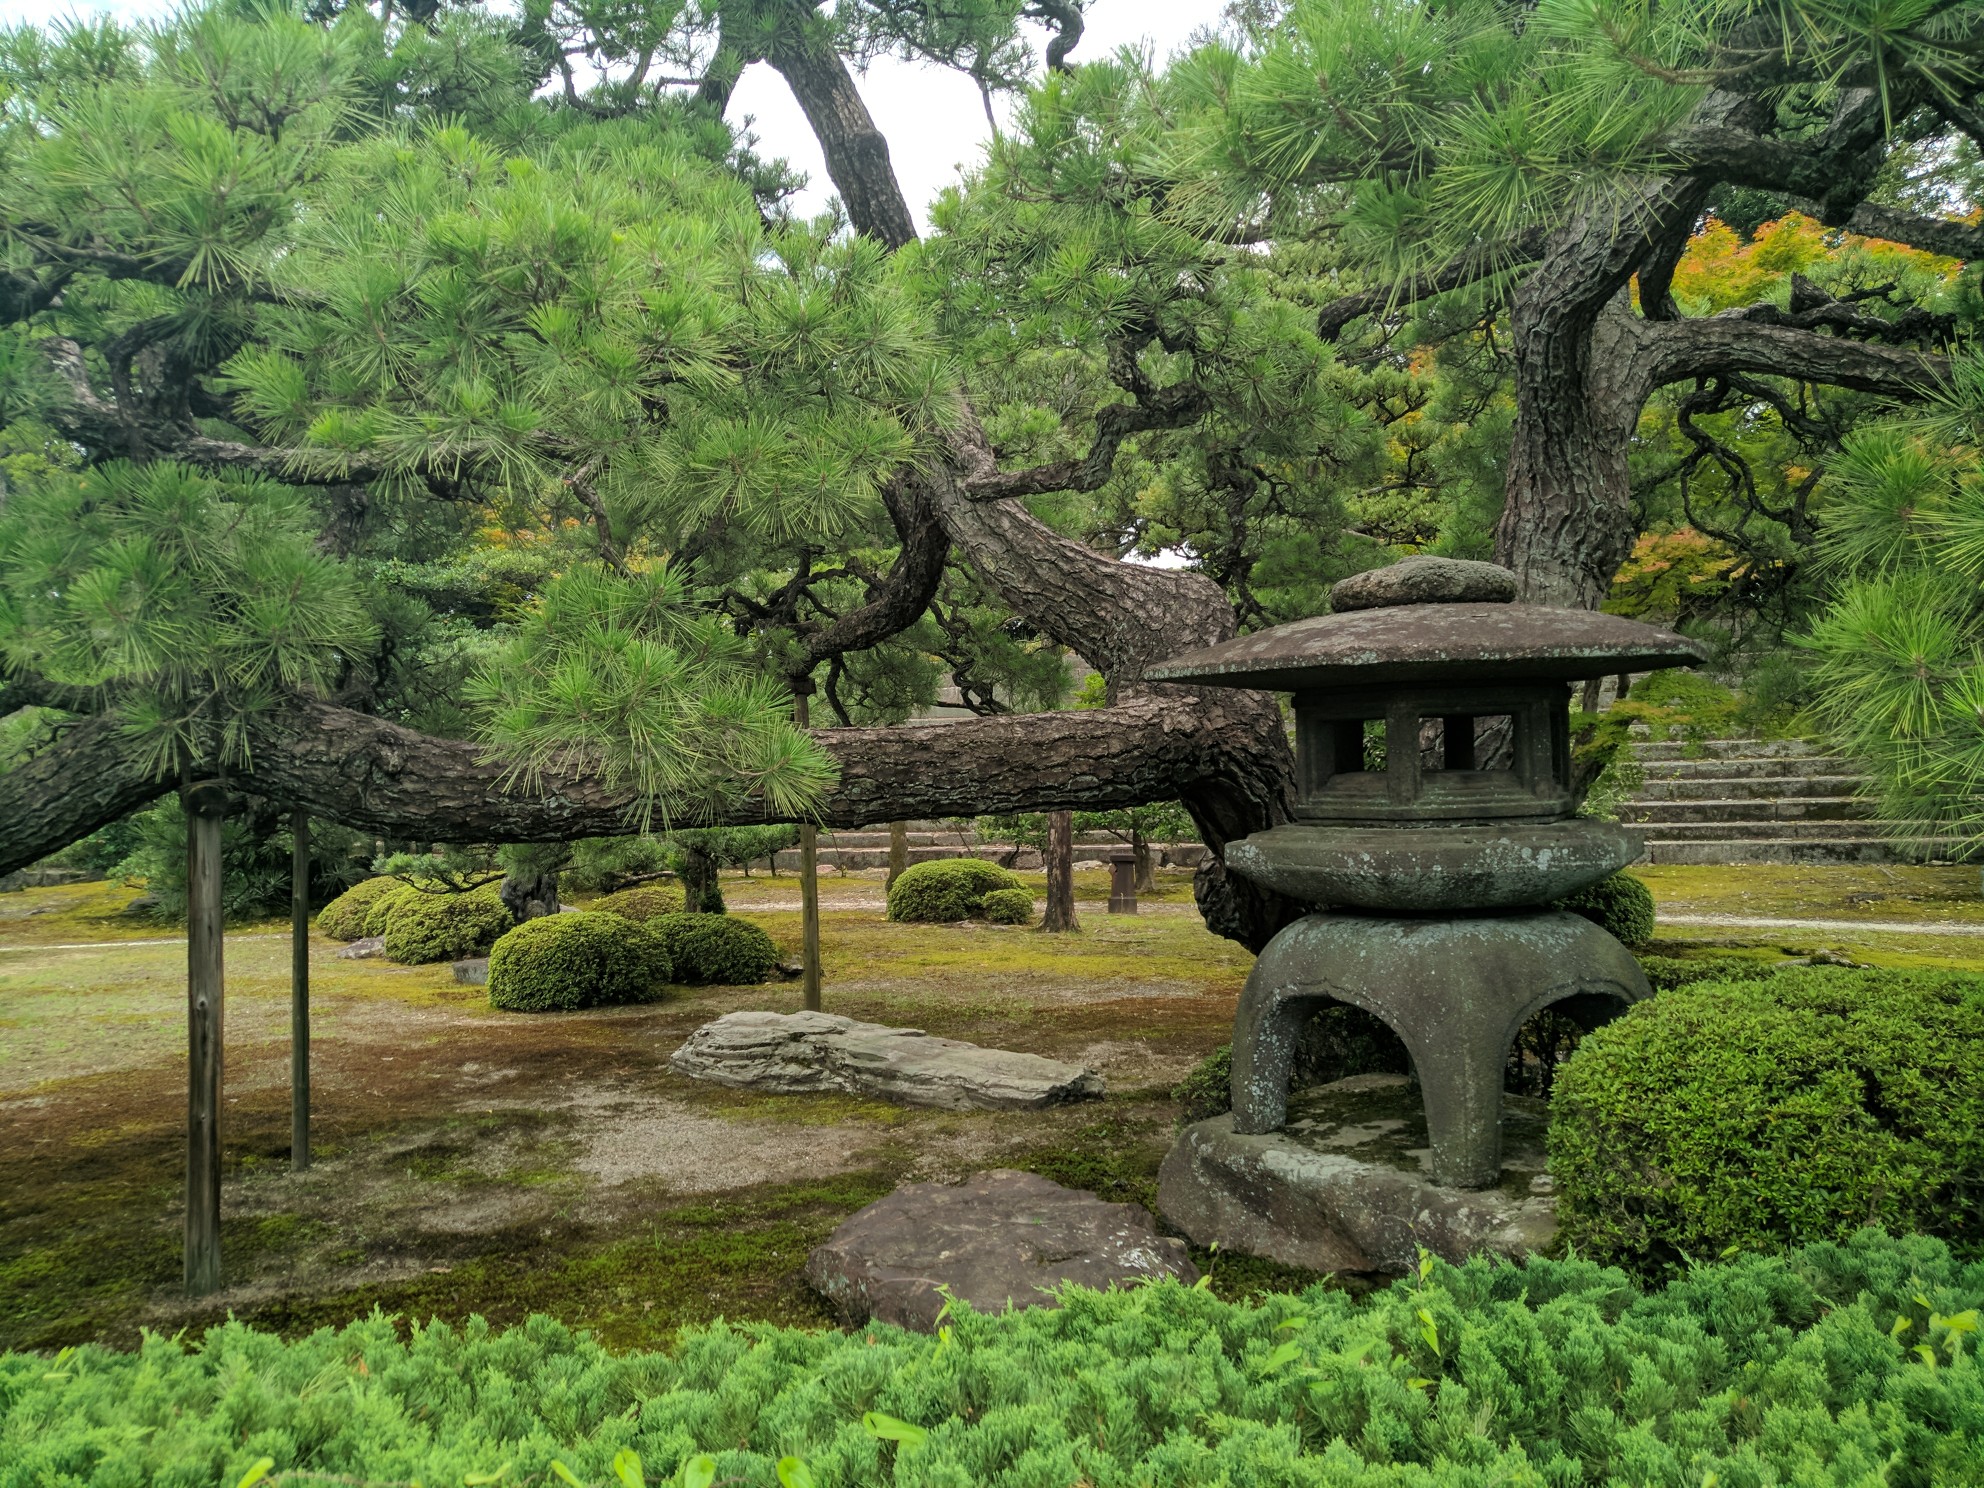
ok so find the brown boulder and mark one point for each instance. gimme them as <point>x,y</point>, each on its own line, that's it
<point>998,1239</point>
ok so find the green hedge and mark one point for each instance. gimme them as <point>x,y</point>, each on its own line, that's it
<point>1765,1113</point>
<point>642,903</point>
<point>1665,973</point>
<point>380,912</point>
<point>716,949</point>
<point>558,962</point>
<point>446,927</point>
<point>946,890</point>
<point>1009,906</point>
<point>344,917</point>
<point>1766,1371</point>
<point>1620,904</point>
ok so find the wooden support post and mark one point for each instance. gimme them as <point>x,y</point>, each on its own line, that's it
<point>809,875</point>
<point>299,990</point>
<point>898,850</point>
<point>206,805</point>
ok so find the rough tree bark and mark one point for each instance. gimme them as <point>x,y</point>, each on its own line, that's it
<point>1059,916</point>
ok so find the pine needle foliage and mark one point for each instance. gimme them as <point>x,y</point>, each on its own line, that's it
<point>604,319</point>
<point>183,600</point>
<point>1424,134</point>
<point>1899,673</point>
<point>1842,1364</point>
<point>625,679</point>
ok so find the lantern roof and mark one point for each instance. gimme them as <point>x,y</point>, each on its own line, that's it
<point>1433,642</point>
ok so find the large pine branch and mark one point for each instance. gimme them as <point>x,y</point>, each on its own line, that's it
<point>377,776</point>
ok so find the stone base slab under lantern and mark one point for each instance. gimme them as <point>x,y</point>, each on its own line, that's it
<point>1344,1186</point>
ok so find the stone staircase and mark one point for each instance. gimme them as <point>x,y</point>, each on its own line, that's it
<point>868,848</point>
<point>1759,801</point>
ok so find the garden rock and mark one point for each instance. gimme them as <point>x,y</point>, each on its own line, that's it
<point>472,971</point>
<point>998,1239</point>
<point>372,947</point>
<point>803,1053</point>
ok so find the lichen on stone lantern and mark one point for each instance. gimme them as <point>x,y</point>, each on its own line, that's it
<point>1435,821</point>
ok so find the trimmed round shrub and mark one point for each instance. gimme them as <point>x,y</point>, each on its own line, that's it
<point>716,949</point>
<point>1009,906</point>
<point>642,903</point>
<point>1621,905</point>
<point>381,912</point>
<point>947,890</point>
<point>558,962</point>
<point>344,917</point>
<point>445,927</point>
<point>1762,1114</point>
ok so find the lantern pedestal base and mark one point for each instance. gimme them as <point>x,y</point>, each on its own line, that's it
<point>1345,1188</point>
<point>1455,991</point>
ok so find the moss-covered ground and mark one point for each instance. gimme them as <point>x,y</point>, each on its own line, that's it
<point>479,1162</point>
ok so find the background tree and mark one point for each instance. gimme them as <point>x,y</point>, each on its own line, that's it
<point>1561,158</point>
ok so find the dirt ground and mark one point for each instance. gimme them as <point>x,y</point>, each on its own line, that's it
<point>471,1161</point>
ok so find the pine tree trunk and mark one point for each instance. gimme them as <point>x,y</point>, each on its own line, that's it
<point>1060,915</point>
<point>898,850</point>
<point>1146,862</point>
<point>206,807</point>
<point>529,896</point>
<point>701,889</point>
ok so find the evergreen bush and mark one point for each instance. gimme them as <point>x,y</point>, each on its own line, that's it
<point>1621,905</point>
<point>1009,906</point>
<point>344,917</point>
<point>446,927</point>
<point>381,912</point>
<point>716,949</point>
<point>1840,1365</point>
<point>642,903</point>
<point>558,962</point>
<point>1765,1113</point>
<point>947,890</point>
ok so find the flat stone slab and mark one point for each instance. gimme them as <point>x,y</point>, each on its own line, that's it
<point>366,949</point>
<point>1342,1187</point>
<point>806,1053</point>
<point>999,1239</point>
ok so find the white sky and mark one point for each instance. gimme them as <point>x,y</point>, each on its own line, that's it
<point>933,118</point>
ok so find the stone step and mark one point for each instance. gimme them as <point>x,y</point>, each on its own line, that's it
<point>1803,767</point>
<point>1763,831</point>
<point>1799,851</point>
<point>1748,788</point>
<point>1788,808</point>
<point>1674,749</point>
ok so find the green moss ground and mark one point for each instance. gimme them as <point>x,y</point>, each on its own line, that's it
<point>476,1162</point>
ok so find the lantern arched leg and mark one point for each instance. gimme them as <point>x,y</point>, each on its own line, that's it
<point>1456,991</point>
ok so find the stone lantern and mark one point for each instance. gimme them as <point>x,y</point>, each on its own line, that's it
<point>1434,824</point>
